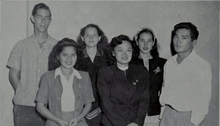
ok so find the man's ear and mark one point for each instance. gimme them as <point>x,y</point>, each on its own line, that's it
<point>32,19</point>
<point>194,42</point>
<point>82,38</point>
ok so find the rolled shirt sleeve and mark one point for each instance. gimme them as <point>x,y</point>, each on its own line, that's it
<point>14,60</point>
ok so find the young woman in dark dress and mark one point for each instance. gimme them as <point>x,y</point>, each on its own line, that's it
<point>148,56</point>
<point>92,41</point>
<point>123,88</point>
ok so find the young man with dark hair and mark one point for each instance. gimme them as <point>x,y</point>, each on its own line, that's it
<point>186,92</point>
<point>27,62</point>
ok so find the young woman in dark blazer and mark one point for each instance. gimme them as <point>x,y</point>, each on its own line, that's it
<point>146,54</point>
<point>123,88</point>
<point>92,41</point>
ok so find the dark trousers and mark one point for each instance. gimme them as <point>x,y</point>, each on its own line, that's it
<point>27,116</point>
<point>96,121</point>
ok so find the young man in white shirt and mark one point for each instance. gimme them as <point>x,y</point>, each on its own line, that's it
<point>186,92</point>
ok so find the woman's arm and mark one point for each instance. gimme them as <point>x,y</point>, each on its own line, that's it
<point>41,108</point>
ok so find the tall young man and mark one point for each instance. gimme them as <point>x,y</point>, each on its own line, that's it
<point>27,62</point>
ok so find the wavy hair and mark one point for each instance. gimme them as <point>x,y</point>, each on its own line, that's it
<point>53,62</point>
<point>103,42</point>
<point>111,60</point>
<point>154,51</point>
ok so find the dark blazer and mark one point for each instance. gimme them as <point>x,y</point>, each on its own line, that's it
<point>156,81</point>
<point>124,95</point>
<point>85,64</point>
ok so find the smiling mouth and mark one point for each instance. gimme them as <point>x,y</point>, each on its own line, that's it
<point>124,58</point>
<point>69,63</point>
<point>145,48</point>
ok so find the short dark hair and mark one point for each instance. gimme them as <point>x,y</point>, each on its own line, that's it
<point>40,6</point>
<point>53,62</point>
<point>194,33</point>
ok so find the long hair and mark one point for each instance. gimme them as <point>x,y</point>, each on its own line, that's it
<point>102,43</point>
<point>53,62</point>
<point>111,60</point>
<point>154,51</point>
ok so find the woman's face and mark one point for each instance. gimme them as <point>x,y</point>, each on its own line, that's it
<point>91,37</point>
<point>145,42</point>
<point>67,57</point>
<point>123,53</point>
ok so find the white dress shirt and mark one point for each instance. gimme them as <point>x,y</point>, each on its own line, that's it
<point>68,96</point>
<point>187,86</point>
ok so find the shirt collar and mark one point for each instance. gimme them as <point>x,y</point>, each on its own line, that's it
<point>189,58</point>
<point>75,73</point>
<point>99,53</point>
<point>35,40</point>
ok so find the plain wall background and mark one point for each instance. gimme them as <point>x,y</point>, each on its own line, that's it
<point>114,18</point>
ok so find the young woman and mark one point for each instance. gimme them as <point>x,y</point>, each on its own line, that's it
<point>148,56</point>
<point>92,41</point>
<point>66,91</point>
<point>123,88</point>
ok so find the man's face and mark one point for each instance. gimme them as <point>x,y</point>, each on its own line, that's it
<point>182,41</point>
<point>42,20</point>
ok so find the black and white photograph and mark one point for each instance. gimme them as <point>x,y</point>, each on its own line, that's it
<point>109,63</point>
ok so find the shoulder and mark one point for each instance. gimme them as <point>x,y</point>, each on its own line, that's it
<point>162,59</point>
<point>83,73</point>
<point>159,60</point>
<point>23,43</point>
<point>49,74</point>
<point>201,62</point>
<point>107,71</point>
<point>52,41</point>
<point>107,68</point>
<point>138,68</point>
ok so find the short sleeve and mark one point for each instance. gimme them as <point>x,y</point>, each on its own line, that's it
<point>14,60</point>
<point>43,92</point>
<point>89,97</point>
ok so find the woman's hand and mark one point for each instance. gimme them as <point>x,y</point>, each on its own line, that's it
<point>132,124</point>
<point>62,123</point>
<point>75,121</point>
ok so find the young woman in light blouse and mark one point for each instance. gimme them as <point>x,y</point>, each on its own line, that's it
<point>66,91</point>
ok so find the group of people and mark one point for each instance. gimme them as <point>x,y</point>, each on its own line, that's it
<point>94,82</point>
